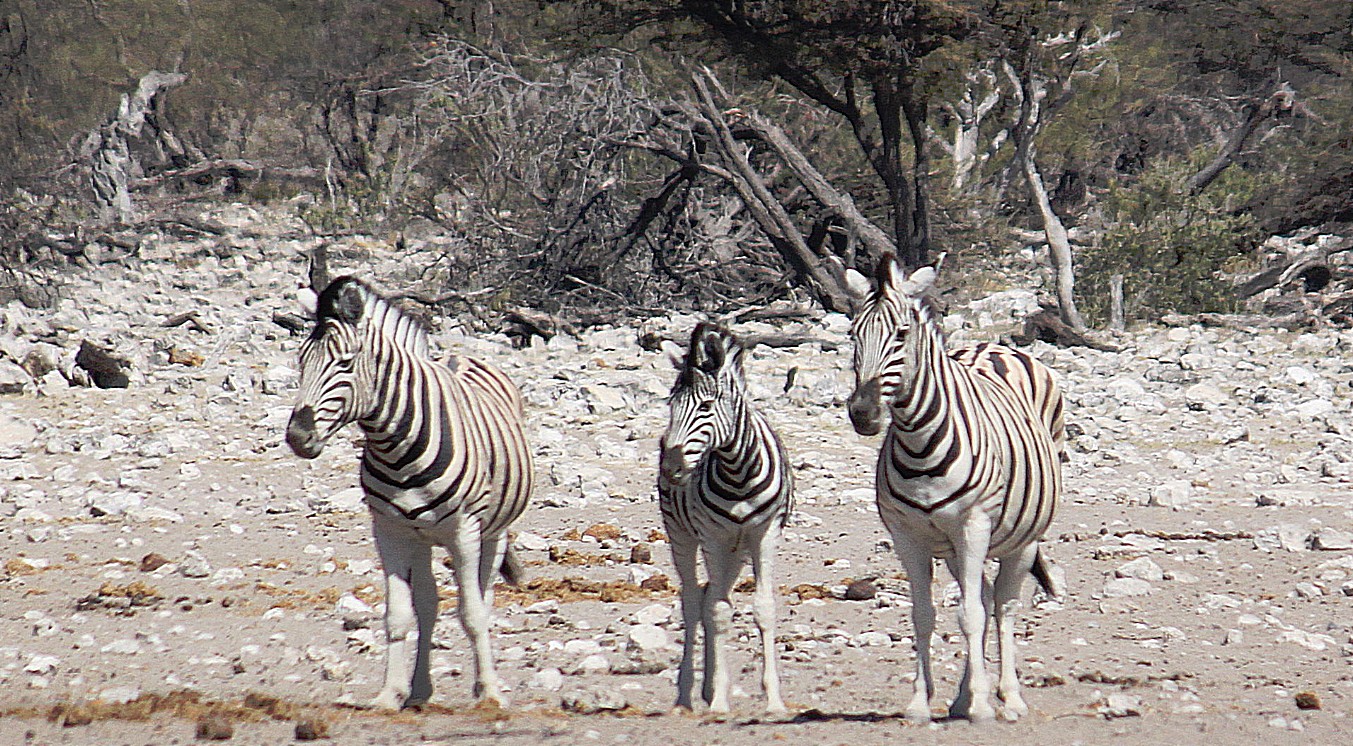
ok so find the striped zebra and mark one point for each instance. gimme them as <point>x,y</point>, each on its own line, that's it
<point>445,462</point>
<point>970,470</point>
<point>724,487</point>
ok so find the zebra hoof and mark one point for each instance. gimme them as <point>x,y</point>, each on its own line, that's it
<point>388,700</point>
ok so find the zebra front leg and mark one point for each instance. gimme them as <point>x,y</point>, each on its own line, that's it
<point>397,549</point>
<point>474,611</point>
<point>692,604</point>
<point>919,566</point>
<point>1009,581</point>
<point>723,566</point>
<point>763,607</point>
<point>970,554</point>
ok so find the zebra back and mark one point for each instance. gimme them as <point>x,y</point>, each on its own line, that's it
<point>722,466</point>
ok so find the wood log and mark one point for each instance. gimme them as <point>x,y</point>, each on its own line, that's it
<point>1048,326</point>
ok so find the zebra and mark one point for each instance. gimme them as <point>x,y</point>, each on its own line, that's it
<point>970,469</point>
<point>445,462</point>
<point>725,487</point>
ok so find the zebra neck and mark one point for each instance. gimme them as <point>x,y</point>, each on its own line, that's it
<point>400,382</point>
<point>920,403</point>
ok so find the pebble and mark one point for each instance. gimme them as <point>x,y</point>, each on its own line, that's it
<point>647,638</point>
<point>593,700</point>
<point>1142,568</point>
<point>1126,588</point>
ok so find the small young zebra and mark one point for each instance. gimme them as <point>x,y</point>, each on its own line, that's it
<point>970,469</point>
<point>445,462</point>
<point>724,487</point>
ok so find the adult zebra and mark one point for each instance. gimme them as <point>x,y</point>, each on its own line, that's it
<point>724,487</point>
<point>445,462</point>
<point>970,469</point>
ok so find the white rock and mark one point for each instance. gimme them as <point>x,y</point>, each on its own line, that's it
<point>1176,494</point>
<point>41,664</point>
<point>531,542</point>
<point>546,679</point>
<point>119,695</point>
<point>1315,408</point>
<point>350,604</point>
<point>582,647</point>
<point>122,647</point>
<point>647,638</point>
<point>1142,568</point>
<point>1331,539</point>
<point>1126,587</point>
<point>653,614</point>
<point>873,639</point>
<point>194,565</point>
<point>595,663</point>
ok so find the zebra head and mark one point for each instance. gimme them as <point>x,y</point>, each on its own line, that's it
<point>886,322</point>
<point>333,391</point>
<point>706,401</point>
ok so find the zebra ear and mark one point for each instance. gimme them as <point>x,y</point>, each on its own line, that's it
<point>921,281</point>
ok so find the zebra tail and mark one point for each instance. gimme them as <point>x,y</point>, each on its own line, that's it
<point>1047,579</point>
<point>512,569</point>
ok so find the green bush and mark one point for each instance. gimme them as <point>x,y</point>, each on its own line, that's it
<point>1172,247</point>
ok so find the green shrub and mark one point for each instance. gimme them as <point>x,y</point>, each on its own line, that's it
<point>1171,246</point>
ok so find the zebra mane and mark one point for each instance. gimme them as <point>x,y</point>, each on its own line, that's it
<point>352,301</point>
<point>712,349</point>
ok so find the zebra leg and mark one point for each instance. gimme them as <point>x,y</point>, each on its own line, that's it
<point>964,695</point>
<point>692,602</point>
<point>970,550</point>
<point>763,608</point>
<point>1009,581</point>
<point>474,613</point>
<point>397,548</point>
<point>919,566</point>
<point>724,566</point>
<point>491,551</point>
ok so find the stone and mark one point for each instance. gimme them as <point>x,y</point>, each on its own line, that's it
<point>1330,539</point>
<point>13,379</point>
<point>1126,588</point>
<point>1176,494</point>
<point>527,541</point>
<point>646,638</point>
<point>194,565</point>
<point>546,679</point>
<point>1142,568</point>
<point>653,614</point>
<point>593,700</point>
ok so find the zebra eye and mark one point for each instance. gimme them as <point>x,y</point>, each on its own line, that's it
<point>707,405</point>
<point>900,335</point>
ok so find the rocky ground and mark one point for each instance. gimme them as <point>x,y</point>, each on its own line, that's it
<point>172,572</point>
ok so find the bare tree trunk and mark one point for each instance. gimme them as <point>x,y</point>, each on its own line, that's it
<point>767,210</point>
<point>107,149</point>
<point>1117,318</point>
<point>1059,247</point>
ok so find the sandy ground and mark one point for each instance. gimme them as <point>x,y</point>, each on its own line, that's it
<point>172,572</point>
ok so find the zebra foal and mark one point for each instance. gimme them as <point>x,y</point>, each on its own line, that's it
<point>445,463</point>
<point>970,469</point>
<point>725,488</point>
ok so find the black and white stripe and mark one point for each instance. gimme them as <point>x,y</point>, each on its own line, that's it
<point>445,463</point>
<point>970,469</point>
<point>724,487</point>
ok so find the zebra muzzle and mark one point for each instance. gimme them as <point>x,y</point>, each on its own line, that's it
<point>672,464</point>
<point>301,433</point>
<point>866,408</point>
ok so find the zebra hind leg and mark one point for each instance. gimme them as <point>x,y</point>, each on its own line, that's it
<point>474,611</point>
<point>1009,581</point>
